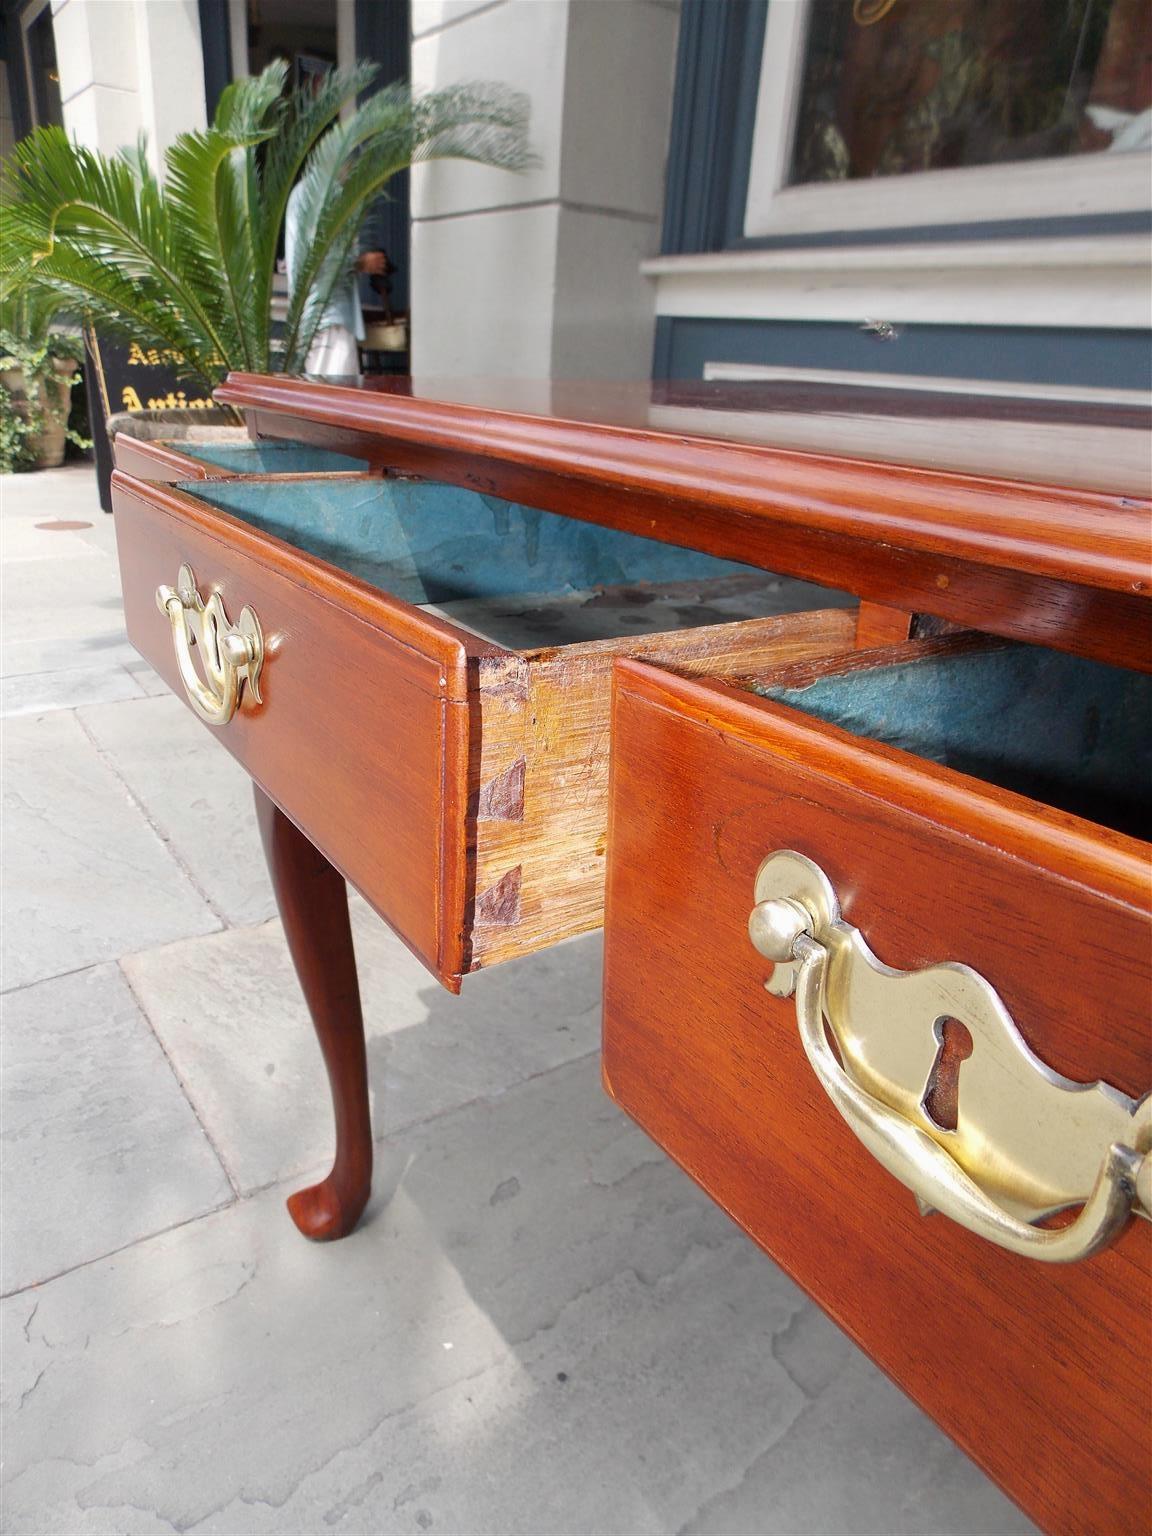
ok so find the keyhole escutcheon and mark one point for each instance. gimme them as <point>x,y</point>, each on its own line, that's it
<point>942,1094</point>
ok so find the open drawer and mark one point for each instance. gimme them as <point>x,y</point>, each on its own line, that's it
<point>431,706</point>
<point>887,821</point>
<point>225,454</point>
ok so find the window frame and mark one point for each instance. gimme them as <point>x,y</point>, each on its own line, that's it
<point>1069,186</point>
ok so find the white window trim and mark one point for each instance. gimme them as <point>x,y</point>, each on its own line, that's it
<point>238,38</point>
<point>1071,185</point>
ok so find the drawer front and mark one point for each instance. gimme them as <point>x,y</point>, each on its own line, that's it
<point>706,782</point>
<point>361,735</point>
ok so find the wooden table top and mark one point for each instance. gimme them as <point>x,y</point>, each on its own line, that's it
<point>1028,516</point>
<point>1052,436</point>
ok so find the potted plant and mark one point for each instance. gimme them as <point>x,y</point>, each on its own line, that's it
<point>38,367</point>
<point>186,264</point>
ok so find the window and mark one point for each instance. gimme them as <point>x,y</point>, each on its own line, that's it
<point>885,113</point>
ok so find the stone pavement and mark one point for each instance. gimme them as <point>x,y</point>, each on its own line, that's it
<point>542,1326</point>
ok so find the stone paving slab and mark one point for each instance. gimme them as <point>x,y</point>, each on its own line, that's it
<point>110,652</point>
<point>543,1327</point>
<point>67,492</point>
<point>229,1012</point>
<point>150,682</point>
<point>195,794</point>
<point>100,1146</point>
<point>85,878</point>
<point>25,538</point>
<point>61,604</point>
<point>34,693</point>
<point>60,599</point>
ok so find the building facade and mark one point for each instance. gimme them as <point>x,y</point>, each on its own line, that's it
<point>724,188</point>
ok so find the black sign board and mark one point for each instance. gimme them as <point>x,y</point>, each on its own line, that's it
<point>132,377</point>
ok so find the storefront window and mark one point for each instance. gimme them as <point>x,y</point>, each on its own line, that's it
<point>890,87</point>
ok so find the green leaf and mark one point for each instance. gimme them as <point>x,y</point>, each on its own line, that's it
<point>188,263</point>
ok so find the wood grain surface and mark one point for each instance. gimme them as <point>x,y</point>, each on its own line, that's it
<point>147,459</point>
<point>165,463</point>
<point>877,625</point>
<point>313,903</point>
<point>362,737</point>
<point>541,828</point>
<point>1063,567</point>
<point>1041,1372</point>
<point>525,738</point>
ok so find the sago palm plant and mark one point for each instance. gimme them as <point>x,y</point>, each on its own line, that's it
<point>187,263</point>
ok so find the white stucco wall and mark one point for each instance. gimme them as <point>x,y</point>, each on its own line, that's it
<point>538,275</point>
<point>128,66</point>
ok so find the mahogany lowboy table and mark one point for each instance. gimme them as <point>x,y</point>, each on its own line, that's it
<point>835,710</point>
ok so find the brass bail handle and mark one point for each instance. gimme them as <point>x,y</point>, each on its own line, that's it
<point>808,941</point>
<point>231,655</point>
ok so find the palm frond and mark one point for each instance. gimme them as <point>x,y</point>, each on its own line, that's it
<point>135,156</point>
<point>213,197</point>
<point>63,195</point>
<point>188,263</point>
<point>102,294</point>
<point>355,160</point>
<point>487,124</point>
<point>310,115</point>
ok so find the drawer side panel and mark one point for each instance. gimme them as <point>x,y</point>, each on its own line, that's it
<point>149,460</point>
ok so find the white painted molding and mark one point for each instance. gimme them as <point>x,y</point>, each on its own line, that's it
<point>1091,283</point>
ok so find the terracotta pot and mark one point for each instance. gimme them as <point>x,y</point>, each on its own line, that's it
<point>47,445</point>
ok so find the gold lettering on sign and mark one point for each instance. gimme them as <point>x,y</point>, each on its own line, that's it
<point>152,357</point>
<point>172,401</point>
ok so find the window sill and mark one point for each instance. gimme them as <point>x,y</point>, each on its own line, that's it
<point>1092,283</point>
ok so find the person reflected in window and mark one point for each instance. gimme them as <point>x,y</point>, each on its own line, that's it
<point>335,350</point>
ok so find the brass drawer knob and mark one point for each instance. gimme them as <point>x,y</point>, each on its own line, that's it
<point>995,1140</point>
<point>231,655</point>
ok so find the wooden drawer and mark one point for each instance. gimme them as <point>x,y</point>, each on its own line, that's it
<point>179,461</point>
<point>1039,1370</point>
<point>434,702</point>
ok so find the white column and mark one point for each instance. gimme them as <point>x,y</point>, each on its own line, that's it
<point>128,66</point>
<point>96,59</point>
<point>170,68</point>
<point>538,275</point>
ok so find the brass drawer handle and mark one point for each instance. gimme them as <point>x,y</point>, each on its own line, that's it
<point>230,654</point>
<point>1019,1141</point>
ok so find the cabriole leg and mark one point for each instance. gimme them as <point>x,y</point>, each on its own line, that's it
<point>313,903</point>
